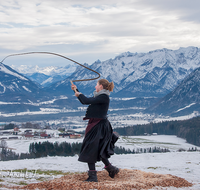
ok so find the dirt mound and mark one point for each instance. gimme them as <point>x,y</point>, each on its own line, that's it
<point>126,179</point>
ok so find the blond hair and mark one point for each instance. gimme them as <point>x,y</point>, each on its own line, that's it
<point>106,84</point>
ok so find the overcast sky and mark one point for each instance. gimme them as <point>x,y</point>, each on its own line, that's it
<point>87,30</point>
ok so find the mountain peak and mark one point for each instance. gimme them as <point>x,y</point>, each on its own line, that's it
<point>188,52</point>
<point>125,54</point>
<point>97,61</point>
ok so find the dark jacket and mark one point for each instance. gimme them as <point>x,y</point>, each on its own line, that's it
<point>98,106</point>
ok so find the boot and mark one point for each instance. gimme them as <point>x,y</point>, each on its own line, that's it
<point>92,176</point>
<point>112,170</point>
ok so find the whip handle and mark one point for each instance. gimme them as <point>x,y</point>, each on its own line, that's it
<point>72,84</point>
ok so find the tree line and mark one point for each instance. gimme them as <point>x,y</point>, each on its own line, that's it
<point>44,149</point>
<point>54,149</point>
<point>122,150</point>
<point>186,129</point>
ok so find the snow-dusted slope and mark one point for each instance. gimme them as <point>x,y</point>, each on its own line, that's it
<point>184,99</point>
<point>16,87</point>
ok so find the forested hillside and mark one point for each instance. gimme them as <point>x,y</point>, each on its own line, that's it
<point>187,129</point>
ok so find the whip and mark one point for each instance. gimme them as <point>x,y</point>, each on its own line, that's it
<point>27,53</point>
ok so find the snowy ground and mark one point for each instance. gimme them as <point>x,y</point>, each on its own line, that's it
<point>181,164</point>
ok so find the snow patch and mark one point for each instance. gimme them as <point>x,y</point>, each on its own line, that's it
<point>26,89</point>
<point>4,88</point>
<point>185,107</point>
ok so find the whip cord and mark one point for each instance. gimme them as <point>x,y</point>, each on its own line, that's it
<point>62,57</point>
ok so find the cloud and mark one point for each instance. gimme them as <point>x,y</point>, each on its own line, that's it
<point>98,27</point>
<point>185,10</point>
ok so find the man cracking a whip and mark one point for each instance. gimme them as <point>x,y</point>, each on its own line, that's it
<point>99,140</point>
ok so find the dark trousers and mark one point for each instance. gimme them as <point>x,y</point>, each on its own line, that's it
<point>92,165</point>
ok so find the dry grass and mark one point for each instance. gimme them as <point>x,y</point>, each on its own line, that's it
<point>126,179</point>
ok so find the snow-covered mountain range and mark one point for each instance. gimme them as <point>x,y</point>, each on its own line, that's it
<point>155,73</point>
<point>140,75</point>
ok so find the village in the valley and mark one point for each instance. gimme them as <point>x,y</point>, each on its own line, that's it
<point>36,132</point>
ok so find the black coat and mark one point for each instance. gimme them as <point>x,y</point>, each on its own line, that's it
<point>98,143</point>
<point>98,106</point>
